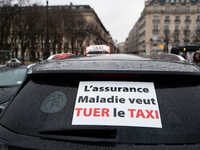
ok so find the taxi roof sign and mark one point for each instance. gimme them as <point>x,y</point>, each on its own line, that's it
<point>98,48</point>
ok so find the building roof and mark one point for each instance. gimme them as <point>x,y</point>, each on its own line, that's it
<point>162,2</point>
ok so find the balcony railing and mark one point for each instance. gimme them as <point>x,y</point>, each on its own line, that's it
<point>172,11</point>
<point>186,41</point>
<point>187,31</point>
<point>166,31</point>
<point>176,41</point>
<point>167,21</point>
<point>177,21</point>
<point>155,41</point>
<point>156,21</point>
<point>155,31</point>
<point>143,33</point>
<point>187,21</point>
<point>176,31</point>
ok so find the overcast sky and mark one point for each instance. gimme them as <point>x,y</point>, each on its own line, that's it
<point>117,16</point>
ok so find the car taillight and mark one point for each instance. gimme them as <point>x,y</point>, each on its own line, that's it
<point>108,49</point>
<point>87,50</point>
<point>87,55</point>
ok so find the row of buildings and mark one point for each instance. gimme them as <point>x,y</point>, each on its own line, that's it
<point>164,24</point>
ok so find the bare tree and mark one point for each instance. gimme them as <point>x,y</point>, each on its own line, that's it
<point>7,13</point>
<point>55,29</point>
<point>34,35</point>
<point>166,37</point>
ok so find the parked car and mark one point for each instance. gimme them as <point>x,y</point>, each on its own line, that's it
<point>107,102</point>
<point>11,78</point>
<point>60,56</point>
<point>168,57</point>
<point>13,62</point>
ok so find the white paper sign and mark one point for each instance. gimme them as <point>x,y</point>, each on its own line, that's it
<point>117,104</point>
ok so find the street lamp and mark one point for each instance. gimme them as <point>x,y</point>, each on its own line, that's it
<point>88,32</point>
<point>151,48</point>
<point>47,53</point>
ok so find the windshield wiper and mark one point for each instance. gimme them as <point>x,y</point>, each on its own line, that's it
<point>108,133</point>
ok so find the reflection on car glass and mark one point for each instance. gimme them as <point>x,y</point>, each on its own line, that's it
<point>12,76</point>
<point>19,82</point>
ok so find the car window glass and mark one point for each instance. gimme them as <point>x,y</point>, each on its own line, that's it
<point>39,93</point>
<point>13,76</point>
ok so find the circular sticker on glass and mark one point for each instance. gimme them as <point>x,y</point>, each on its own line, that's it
<point>54,102</point>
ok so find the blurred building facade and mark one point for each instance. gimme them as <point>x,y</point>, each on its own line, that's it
<point>121,47</point>
<point>64,34</point>
<point>164,24</point>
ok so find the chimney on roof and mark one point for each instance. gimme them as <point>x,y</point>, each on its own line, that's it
<point>71,3</point>
<point>147,2</point>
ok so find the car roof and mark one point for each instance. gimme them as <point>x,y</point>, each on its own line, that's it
<point>59,56</point>
<point>168,57</point>
<point>113,63</point>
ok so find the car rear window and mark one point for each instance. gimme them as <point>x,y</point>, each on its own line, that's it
<point>178,101</point>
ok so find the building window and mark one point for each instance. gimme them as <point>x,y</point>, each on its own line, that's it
<point>198,27</point>
<point>167,9</point>
<point>167,19</point>
<point>187,19</point>
<point>176,37</point>
<point>155,8</point>
<point>187,8</point>
<point>187,37</point>
<point>155,37</point>
<point>198,8</point>
<point>177,8</point>
<point>177,27</point>
<point>177,19</point>
<point>166,27</point>
<point>156,18</point>
<point>43,45</point>
<point>198,18</point>
<point>155,28</point>
<point>187,27</point>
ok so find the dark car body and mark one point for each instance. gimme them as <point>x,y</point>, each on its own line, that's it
<point>42,114</point>
<point>11,79</point>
